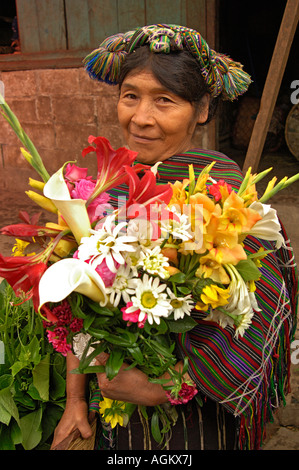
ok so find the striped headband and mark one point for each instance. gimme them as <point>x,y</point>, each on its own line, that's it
<point>222,75</point>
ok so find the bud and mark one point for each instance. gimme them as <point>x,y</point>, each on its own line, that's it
<point>42,201</point>
<point>39,185</point>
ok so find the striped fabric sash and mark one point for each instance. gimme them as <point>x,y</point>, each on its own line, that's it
<point>249,376</point>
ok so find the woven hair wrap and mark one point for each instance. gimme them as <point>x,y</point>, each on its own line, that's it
<point>222,75</point>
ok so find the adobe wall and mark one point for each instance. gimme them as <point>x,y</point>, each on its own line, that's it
<point>59,109</point>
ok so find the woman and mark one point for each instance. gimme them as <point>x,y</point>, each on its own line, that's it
<point>170,82</point>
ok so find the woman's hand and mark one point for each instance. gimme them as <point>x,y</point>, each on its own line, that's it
<point>131,386</point>
<point>75,416</point>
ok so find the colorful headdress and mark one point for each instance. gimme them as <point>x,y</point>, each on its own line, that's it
<point>222,75</point>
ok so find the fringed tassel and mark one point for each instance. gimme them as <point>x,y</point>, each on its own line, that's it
<point>104,63</point>
<point>252,432</point>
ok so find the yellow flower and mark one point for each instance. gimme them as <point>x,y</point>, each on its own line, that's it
<point>222,245</point>
<point>113,411</point>
<point>19,248</point>
<point>210,268</point>
<point>236,217</point>
<point>179,195</point>
<point>215,296</point>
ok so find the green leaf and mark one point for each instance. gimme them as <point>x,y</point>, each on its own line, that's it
<point>178,278</point>
<point>98,334</point>
<point>17,366</point>
<point>30,425</point>
<point>57,381</point>
<point>41,377</point>
<point>6,381</point>
<point>6,441</point>
<point>15,432</point>
<point>89,370</point>
<point>50,419</point>
<point>182,325</point>
<point>88,320</point>
<point>118,341</point>
<point>248,270</point>
<point>136,354</point>
<point>100,310</point>
<point>30,353</point>
<point>143,411</point>
<point>114,363</point>
<point>184,290</point>
<point>155,427</point>
<point>154,329</point>
<point>8,407</point>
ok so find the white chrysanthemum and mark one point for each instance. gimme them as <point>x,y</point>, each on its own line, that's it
<point>239,302</point>
<point>150,299</point>
<point>153,262</point>
<point>178,226</point>
<point>107,244</point>
<point>181,306</point>
<point>123,286</point>
<point>245,322</point>
<point>219,317</point>
<point>240,308</point>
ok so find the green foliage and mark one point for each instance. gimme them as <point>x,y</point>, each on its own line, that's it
<point>32,377</point>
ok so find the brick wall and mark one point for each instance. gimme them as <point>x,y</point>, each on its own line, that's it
<point>58,109</point>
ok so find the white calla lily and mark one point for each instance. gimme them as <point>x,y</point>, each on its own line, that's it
<point>73,211</point>
<point>268,228</point>
<point>71,275</point>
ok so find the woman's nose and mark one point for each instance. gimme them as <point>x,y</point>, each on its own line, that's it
<point>143,114</point>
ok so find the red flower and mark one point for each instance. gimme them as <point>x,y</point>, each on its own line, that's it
<point>27,232</point>
<point>186,393</point>
<point>58,338</point>
<point>111,164</point>
<point>23,274</point>
<point>63,313</point>
<point>76,325</point>
<point>220,189</point>
<point>145,191</point>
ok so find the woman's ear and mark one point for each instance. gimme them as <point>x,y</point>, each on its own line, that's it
<point>204,109</point>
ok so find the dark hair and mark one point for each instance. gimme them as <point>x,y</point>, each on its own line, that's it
<point>177,71</point>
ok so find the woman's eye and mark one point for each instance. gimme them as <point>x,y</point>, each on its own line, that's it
<point>164,100</point>
<point>130,96</point>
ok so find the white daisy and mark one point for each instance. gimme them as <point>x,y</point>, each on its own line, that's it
<point>107,243</point>
<point>123,286</point>
<point>150,299</point>
<point>153,262</point>
<point>181,306</point>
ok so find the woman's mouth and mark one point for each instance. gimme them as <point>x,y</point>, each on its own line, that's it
<point>143,139</point>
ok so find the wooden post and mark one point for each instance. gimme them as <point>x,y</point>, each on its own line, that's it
<point>272,84</point>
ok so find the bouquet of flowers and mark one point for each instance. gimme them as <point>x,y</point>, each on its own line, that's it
<point>123,280</point>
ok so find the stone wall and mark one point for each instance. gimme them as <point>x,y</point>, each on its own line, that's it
<point>59,109</point>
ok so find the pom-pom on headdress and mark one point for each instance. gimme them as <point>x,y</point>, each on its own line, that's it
<point>222,75</point>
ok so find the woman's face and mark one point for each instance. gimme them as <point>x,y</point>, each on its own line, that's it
<point>156,123</point>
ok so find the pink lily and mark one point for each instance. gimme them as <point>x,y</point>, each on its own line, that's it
<point>112,164</point>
